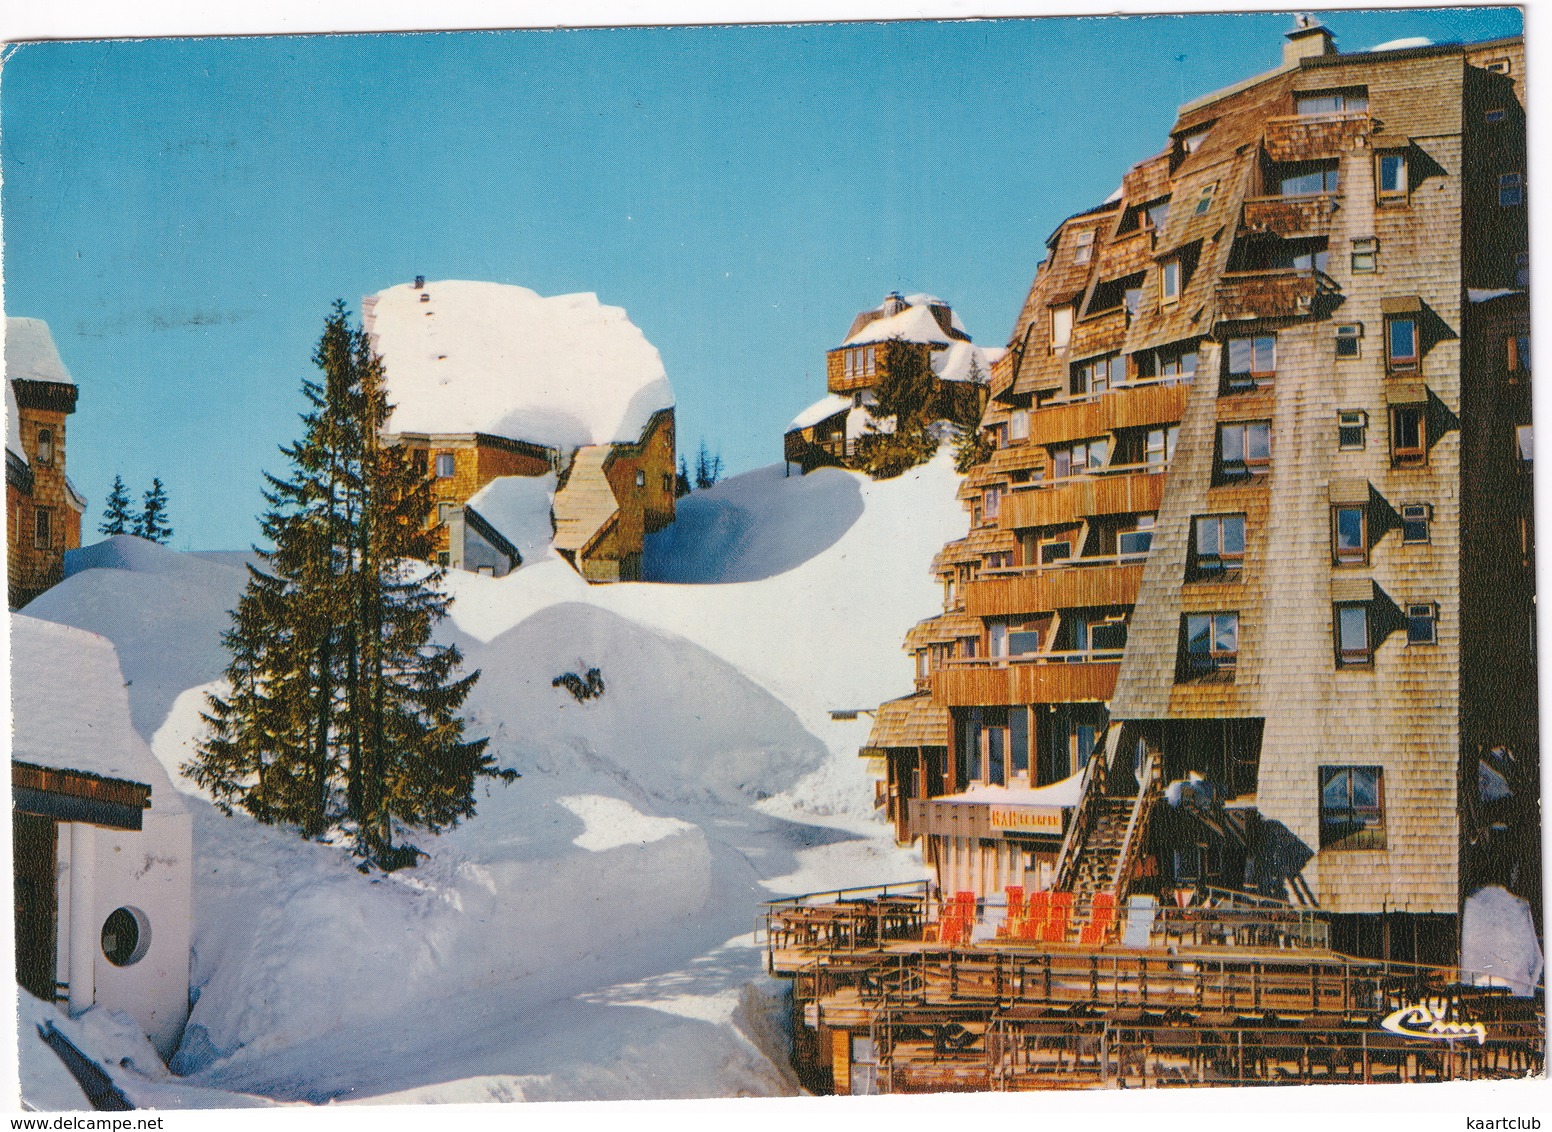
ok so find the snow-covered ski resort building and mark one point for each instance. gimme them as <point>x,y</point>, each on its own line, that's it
<point>1236,661</point>
<point>826,433</point>
<point>491,382</point>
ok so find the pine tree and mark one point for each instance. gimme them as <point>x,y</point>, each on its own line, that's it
<point>116,519</point>
<point>152,522</point>
<point>708,467</point>
<point>905,395</point>
<point>342,713</point>
<point>682,480</point>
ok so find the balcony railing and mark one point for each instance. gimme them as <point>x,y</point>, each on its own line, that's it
<point>1080,496</point>
<point>1291,216</point>
<point>1074,563</point>
<point>1285,292</point>
<point>1089,676</point>
<point>1052,589</point>
<point>1055,656</point>
<point>1304,137</point>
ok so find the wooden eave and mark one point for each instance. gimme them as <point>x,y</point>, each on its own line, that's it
<point>943,629</point>
<point>911,721</point>
<point>78,796</point>
<point>50,396</point>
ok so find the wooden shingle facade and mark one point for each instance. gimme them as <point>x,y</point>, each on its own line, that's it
<point>1258,518</point>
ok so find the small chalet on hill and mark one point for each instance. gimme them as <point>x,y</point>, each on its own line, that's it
<point>542,420</point>
<point>102,844</point>
<point>42,507</point>
<point>826,433</point>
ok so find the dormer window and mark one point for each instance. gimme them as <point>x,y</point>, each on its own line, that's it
<point>1169,281</point>
<point>1204,201</point>
<point>1061,326</point>
<point>1083,245</point>
<point>1351,101</point>
<point>446,465</point>
<point>1390,180</point>
<point>1307,178</point>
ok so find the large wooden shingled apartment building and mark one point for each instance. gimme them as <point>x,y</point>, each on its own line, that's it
<point>1245,615</point>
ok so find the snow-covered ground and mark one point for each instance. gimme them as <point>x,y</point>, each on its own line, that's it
<point>587,935</point>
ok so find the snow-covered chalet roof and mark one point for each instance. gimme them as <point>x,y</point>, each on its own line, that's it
<point>70,710</point>
<point>520,508</point>
<point>819,410</point>
<point>961,361</point>
<point>562,372</point>
<point>30,352</point>
<point>913,324</point>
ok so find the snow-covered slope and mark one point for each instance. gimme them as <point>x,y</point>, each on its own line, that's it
<point>586,934</point>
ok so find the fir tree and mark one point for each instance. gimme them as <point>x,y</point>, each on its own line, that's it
<point>905,396</point>
<point>342,713</point>
<point>708,467</point>
<point>116,519</point>
<point>152,521</point>
<point>682,480</point>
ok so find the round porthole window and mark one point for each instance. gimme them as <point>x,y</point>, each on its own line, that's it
<point>126,936</point>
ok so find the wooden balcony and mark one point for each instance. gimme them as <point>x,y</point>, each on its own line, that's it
<point>1018,682</point>
<point>1307,137</point>
<point>1053,588</point>
<point>1129,406</point>
<point>1291,216</point>
<point>1096,495</point>
<point>1287,292</point>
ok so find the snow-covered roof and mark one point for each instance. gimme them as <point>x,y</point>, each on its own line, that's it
<point>913,324</point>
<point>961,360</point>
<point>520,508</point>
<point>70,710</point>
<point>562,372</point>
<point>819,410</point>
<point>1400,44</point>
<point>1063,793</point>
<point>30,352</point>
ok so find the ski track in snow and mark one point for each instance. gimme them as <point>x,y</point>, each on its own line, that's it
<point>586,935</point>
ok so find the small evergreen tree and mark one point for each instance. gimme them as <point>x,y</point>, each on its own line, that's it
<point>682,480</point>
<point>342,713</point>
<point>905,396</point>
<point>708,467</point>
<point>116,519</point>
<point>152,521</point>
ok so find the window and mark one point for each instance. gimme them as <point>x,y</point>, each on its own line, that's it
<point>1023,641</point>
<point>1211,646</point>
<point>1054,552</point>
<point>1307,178</point>
<point>1061,326</point>
<point>1422,618</point>
<point>1414,522</point>
<point>1251,361</point>
<point>446,465</point>
<point>1408,436</point>
<point>1391,179</point>
<point>1401,343</point>
<point>1331,102</point>
<point>45,446</point>
<point>1169,281</point>
<point>1244,448</point>
<point>1352,635</point>
<point>991,500</point>
<point>1018,424</point>
<point>1350,535</point>
<point>126,936</point>
<point>1132,297</point>
<point>1349,340</point>
<point>641,478</point>
<point>1217,547</point>
<point>1495,115</point>
<point>1352,426</point>
<point>444,510</point>
<point>1511,190</point>
<point>1098,375</point>
<point>1177,365</point>
<point>1366,255</point>
<point>1204,201</point>
<point>1083,245</point>
<point>668,483</point>
<point>1522,269</point>
<point>1136,544</point>
<point>1109,294</point>
<point>997,638</point>
<point>1080,458</point>
<point>1352,807</point>
<point>1499,66</point>
<point>1192,141</point>
<point>42,528</point>
<point>1159,447</point>
<point>1523,441</point>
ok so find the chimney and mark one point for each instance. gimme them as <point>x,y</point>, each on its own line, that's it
<point>420,282</point>
<point>894,303</point>
<point>1307,40</point>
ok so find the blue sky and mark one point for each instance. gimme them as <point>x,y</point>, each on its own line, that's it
<point>182,212</point>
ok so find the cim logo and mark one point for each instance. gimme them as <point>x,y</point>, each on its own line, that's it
<point>1430,1019</point>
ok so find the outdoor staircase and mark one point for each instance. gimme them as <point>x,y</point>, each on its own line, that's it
<point>1099,863</point>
